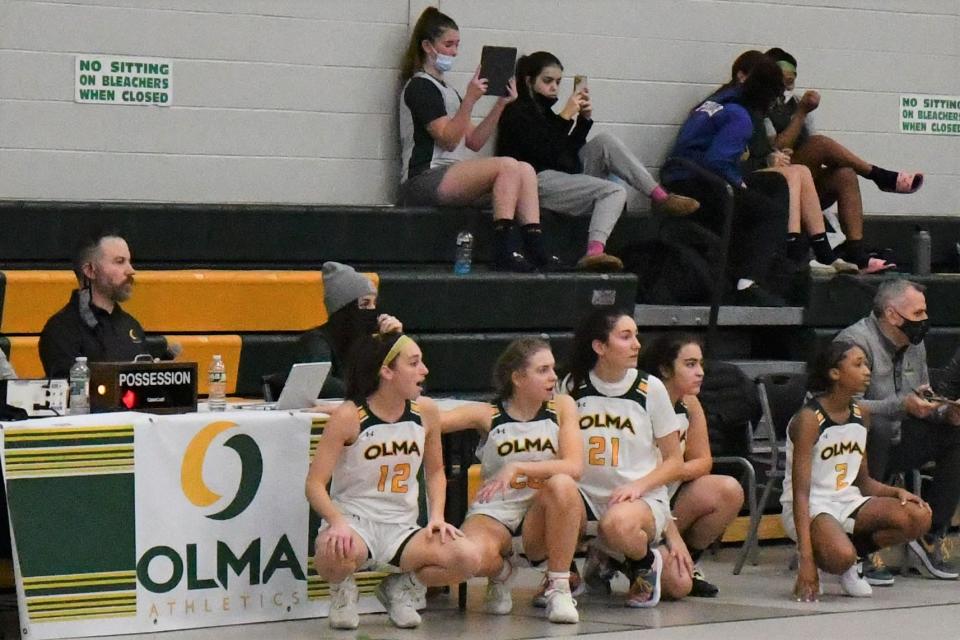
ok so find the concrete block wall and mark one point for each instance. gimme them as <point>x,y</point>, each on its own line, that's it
<point>294,100</point>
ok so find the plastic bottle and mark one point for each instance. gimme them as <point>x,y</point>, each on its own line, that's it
<point>464,259</point>
<point>217,385</point>
<point>921,252</point>
<point>79,387</point>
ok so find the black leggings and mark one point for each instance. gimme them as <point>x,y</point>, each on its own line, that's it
<point>760,215</point>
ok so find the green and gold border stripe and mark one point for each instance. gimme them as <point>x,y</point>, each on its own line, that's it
<point>25,438</point>
<point>85,606</point>
<point>57,461</point>
<point>74,584</point>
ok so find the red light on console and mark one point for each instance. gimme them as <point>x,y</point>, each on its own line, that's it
<point>129,399</point>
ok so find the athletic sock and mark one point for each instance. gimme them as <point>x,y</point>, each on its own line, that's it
<point>821,248</point>
<point>533,247</point>
<point>558,580</point>
<point>864,544</point>
<point>504,242</point>
<point>853,252</point>
<point>796,250</point>
<point>595,248</point>
<point>695,554</point>
<point>659,194</point>
<point>643,564</point>
<point>505,571</point>
<point>883,178</point>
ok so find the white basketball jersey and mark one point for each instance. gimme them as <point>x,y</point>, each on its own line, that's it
<point>619,424</point>
<point>376,476</point>
<point>511,441</point>
<point>837,456</point>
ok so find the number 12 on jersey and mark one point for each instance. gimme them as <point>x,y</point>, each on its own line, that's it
<point>598,455</point>
<point>398,484</point>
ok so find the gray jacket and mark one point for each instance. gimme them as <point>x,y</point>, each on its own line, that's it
<point>895,372</point>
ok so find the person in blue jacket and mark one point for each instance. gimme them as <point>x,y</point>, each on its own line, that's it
<point>716,136</point>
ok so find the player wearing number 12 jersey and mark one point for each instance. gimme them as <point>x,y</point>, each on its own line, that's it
<point>371,452</point>
<point>530,456</point>
<point>631,452</point>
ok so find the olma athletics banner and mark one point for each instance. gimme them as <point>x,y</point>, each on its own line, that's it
<point>129,523</point>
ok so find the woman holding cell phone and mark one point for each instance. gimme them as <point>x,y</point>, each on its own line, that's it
<point>571,172</point>
<point>437,137</point>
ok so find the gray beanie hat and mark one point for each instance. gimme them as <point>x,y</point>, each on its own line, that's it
<point>342,285</point>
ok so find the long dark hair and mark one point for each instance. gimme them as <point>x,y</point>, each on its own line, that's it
<point>661,353</point>
<point>514,358</point>
<point>529,67</point>
<point>829,357</point>
<point>763,85</point>
<point>363,369</point>
<point>430,25</point>
<point>596,326</point>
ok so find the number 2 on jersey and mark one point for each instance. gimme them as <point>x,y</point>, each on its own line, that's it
<point>401,473</point>
<point>841,470</point>
<point>597,455</point>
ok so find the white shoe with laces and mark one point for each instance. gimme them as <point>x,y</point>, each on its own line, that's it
<point>561,607</point>
<point>343,605</point>
<point>499,599</point>
<point>398,596</point>
<point>854,584</point>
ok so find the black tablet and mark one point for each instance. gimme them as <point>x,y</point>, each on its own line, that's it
<point>497,66</point>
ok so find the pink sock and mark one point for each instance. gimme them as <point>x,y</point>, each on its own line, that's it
<point>594,248</point>
<point>659,194</point>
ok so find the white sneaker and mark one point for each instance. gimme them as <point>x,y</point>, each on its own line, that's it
<point>821,269</point>
<point>853,583</point>
<point>420,597</point>
<point>397,594</point>
<point>842,266</point>
<point>499,599</point>
<point>561,607</point>
<point>343,605</point>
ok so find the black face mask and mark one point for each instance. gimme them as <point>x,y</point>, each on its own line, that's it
<point>915,330</point>
<point>544,101</point>
<point>367,323</point>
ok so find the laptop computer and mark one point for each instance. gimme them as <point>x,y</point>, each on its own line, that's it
<point>300,390</point>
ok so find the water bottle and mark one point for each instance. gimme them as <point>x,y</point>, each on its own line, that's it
<point>461,266</point>
<point>79,387</point>
<point>217,385</point>
<point>921,252</point>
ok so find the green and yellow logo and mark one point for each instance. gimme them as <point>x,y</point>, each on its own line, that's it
<point>251,470</point>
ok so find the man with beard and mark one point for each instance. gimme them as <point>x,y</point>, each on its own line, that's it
<point>909,426</point>
<point>92,324</point>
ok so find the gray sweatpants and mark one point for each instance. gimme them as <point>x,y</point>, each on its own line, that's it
<point>590,193</point>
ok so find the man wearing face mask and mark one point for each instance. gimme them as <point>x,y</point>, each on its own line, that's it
<point>92,324</point>
<point>351,302</point>
<point>908,430</point>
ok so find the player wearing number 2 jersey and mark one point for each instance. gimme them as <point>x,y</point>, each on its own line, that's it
<point>631,451</point>
<point>531,456</point>
<point>371,452</point>
<point>832,507</point>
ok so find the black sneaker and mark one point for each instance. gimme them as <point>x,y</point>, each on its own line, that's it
<point>513,261</point>
<point>702,588</point>
<point>757,296</point>
<point>875,571</point>
<point>934,554</point>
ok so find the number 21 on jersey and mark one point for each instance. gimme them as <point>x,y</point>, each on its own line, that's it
<point>598,454</point>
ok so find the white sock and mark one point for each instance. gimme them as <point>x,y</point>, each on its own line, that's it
<point>559,580</point>
<point>412,577</point>
<point>505,571</point>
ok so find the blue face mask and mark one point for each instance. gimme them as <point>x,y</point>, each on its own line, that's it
<point>444,63</point>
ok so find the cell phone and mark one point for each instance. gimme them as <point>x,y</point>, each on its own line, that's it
<point>579,83</point>
<point>497,67</point>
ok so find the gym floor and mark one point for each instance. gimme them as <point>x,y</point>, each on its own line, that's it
<point>755,604</point>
